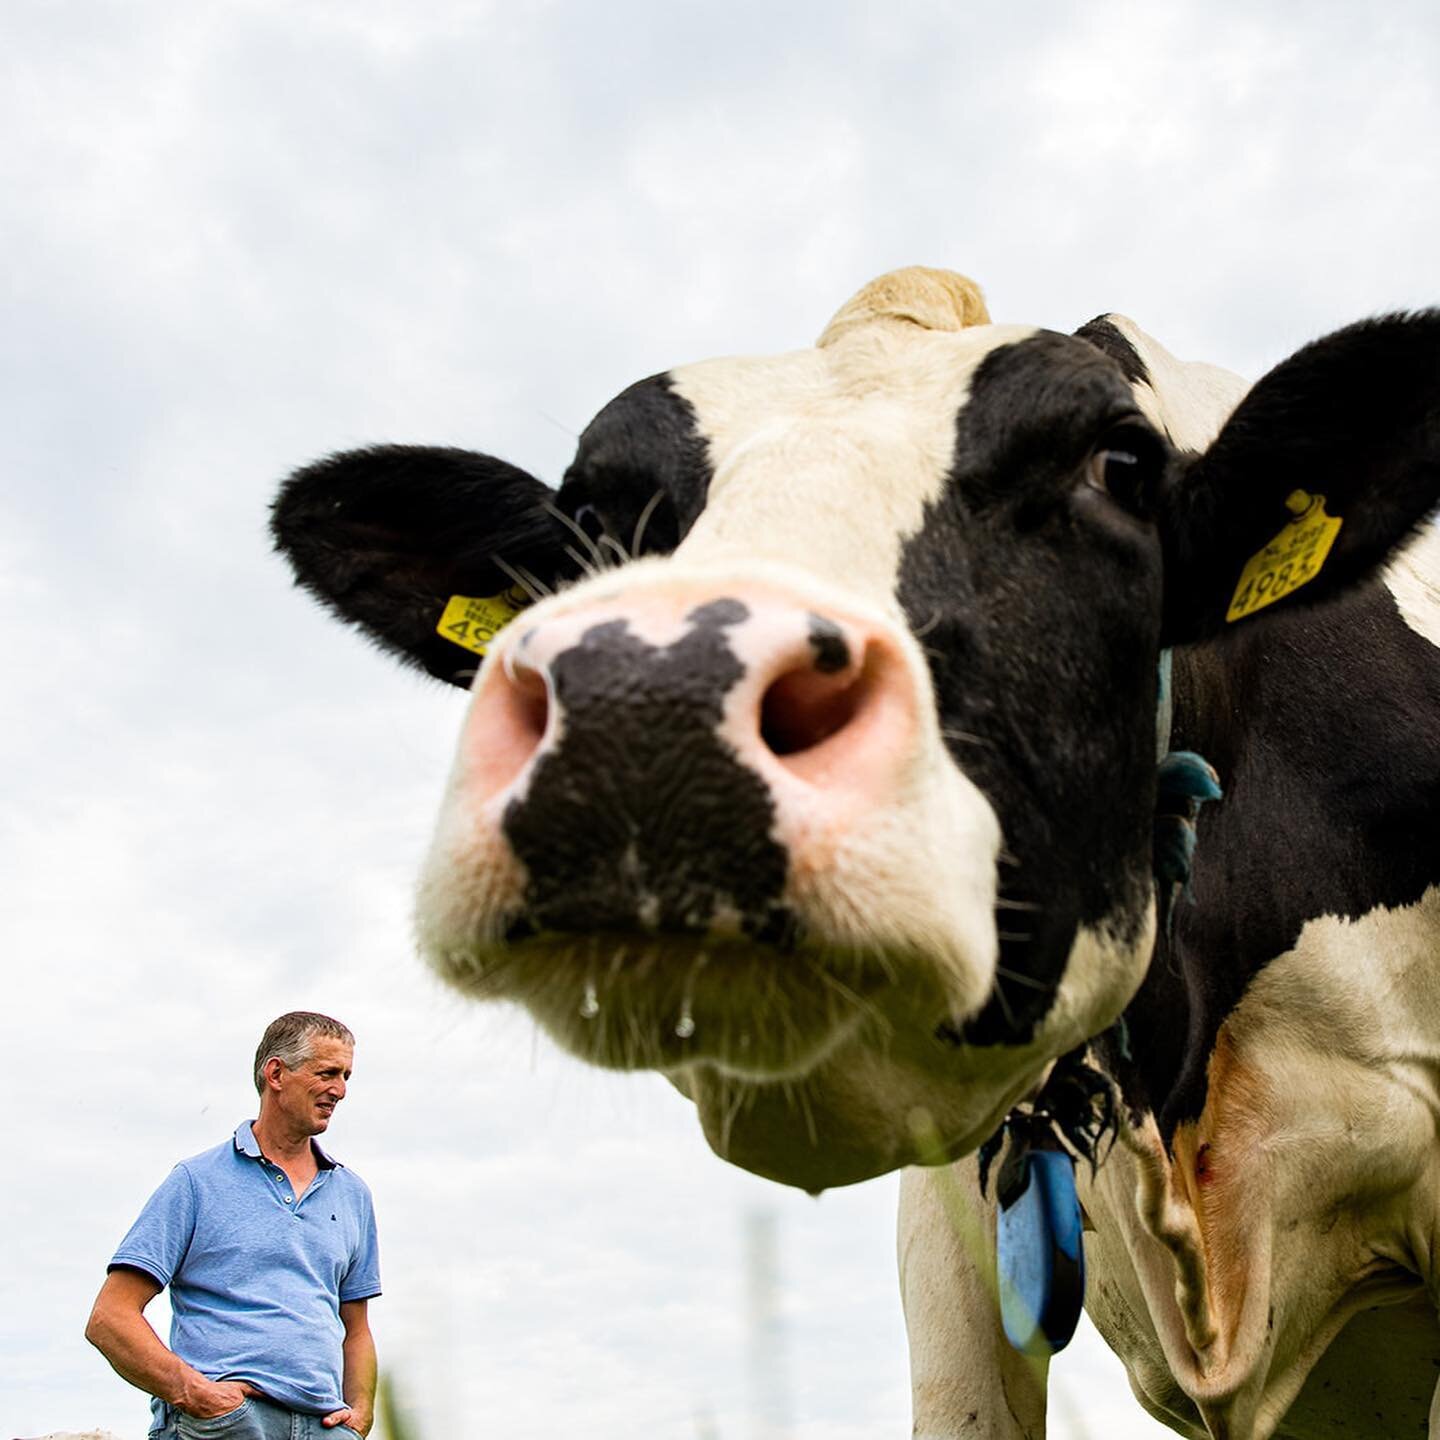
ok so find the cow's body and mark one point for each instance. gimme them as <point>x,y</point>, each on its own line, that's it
<point>1313,1038</point>
<point>1292,1031</point>
<point>839,810</point>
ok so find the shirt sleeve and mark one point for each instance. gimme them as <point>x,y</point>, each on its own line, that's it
<point>156,1243</point>
<point>361,1280</point>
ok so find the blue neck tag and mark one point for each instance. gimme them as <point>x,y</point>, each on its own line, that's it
<point>1040,1257</point>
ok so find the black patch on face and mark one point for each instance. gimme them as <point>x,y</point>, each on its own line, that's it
<point>1038,599</point>
<point>642,816</point>
<point>832,654</point>
<point>717,614</point>
<point>642,470</point>
<point>1106,337</point>
<point>1325,727</point>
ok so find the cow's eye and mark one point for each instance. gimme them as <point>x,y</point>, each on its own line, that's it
<point>1125,467</point>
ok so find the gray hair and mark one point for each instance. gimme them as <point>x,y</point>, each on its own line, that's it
<point>289,1038</point>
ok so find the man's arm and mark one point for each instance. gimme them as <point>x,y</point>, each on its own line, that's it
<point>358,1383</point>
<point>119,1330</point>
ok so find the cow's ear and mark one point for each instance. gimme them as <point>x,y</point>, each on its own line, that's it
<point>428,550</point>
<point>1328,464</point>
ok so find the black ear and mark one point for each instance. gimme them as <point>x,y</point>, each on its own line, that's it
<point>1353,418</point>
<point>387,537</point>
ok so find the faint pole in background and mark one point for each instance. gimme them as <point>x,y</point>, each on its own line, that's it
<point>705,1426</point>
<point>765,1330</point>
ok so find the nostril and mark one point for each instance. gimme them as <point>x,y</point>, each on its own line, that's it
<point>806,706</point>
<point>529,703</point>
<point>507,725</point>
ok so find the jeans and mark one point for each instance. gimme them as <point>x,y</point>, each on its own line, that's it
<point>256,1419</point>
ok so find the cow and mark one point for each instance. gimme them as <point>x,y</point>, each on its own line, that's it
<point>810,760</point>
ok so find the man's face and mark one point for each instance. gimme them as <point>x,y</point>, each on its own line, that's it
<point>308,1095</point>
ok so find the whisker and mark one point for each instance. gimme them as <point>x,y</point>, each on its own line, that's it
<point>853,1001</point>
<point>966,737</point>
<point>617,960</point>
<point>1020,979</point>
<point>805,1109</point>
<point>1015,935</point>
<point>644,520</point>
<point>521,577</point>
<point>1001,903</point>
<point>577,530</point>
<point>1004,1003</point>
<point>636,1036</point>
<point>586,568</point>
<point>732,1112</point>
<point>558,424</point>
<point>928,626</point>
<point>831,982</point>
<point>888,967</point>
<point>616,546</point>
<point>782,1010</point>
<point>535,580</point>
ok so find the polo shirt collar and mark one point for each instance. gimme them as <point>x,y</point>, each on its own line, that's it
<point>247,1144</point>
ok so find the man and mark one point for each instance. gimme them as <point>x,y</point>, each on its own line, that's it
<point>268,1247</point>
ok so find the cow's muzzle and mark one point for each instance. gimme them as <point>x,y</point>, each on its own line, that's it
<point>679,801</point>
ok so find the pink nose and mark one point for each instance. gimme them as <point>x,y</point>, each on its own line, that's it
<point>822,708</point>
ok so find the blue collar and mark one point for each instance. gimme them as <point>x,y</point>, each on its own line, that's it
<point>247,1144</point>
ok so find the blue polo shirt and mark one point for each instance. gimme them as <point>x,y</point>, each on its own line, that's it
<point>256,1279</point>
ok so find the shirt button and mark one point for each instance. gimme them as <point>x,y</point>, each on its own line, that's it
<point>287,1199</point>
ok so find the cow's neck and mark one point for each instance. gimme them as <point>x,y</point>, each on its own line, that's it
<point>1293,718</point>
<point>1313,836</point>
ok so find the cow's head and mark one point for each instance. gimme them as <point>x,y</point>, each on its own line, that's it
<point>820,777</point>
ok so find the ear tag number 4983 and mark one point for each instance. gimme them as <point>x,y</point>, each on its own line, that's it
<point>1292,559</point>
<point>474,621</point>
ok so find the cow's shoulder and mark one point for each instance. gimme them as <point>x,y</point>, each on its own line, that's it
<point>1325,729</point>
<point>1303,1197</point>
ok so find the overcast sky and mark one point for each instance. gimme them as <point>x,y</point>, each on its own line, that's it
<point>234,236</point>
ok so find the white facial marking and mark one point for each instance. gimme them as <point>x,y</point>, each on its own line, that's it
<point>1413,578</point>
<point>826,459</point>
<point>1187,400</point>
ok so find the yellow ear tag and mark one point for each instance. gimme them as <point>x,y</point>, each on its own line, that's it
<point>1292,559</point>
<point>474,622</point>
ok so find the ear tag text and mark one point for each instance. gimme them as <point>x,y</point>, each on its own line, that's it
<point>1292,559</point>
<point>473,622</point>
